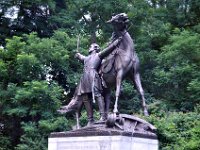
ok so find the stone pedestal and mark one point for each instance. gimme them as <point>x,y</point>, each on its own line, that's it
<point>123,132</point>
<point>102,143</point>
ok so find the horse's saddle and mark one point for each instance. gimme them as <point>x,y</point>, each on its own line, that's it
<point>112,60</point>
<point>108,64</point>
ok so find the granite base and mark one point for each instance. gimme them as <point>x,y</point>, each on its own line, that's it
<point>102,143</point>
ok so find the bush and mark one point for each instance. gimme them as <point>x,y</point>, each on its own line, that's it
<point>178,130</point>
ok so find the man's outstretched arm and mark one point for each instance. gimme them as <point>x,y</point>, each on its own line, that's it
<point>80,57</point>
<point>110,48</point>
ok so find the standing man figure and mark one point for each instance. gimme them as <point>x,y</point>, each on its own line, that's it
<point>90,85</point>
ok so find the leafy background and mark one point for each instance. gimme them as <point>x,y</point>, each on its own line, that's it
<point>38,72</point>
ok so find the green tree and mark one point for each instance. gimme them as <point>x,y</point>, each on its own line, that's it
<point>25,16</point>
<point>28,99</point>
<point>178,71</point>
<point>35,70</point>
<point>177,130</point>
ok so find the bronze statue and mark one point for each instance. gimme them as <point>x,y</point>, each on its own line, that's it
<point>122,62</point>
<point>90,85</point>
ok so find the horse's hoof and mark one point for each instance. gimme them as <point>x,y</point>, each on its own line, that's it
<point>61,111</point>
<point>115,111</point>
<point>64,110</point>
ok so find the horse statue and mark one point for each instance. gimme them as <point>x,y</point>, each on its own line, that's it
<point>122,63</point>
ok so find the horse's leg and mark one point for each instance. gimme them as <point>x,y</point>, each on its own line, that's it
<point>137,82</point>
<point>118,86</point>
<point>107,96</point>
<point>77,120</point>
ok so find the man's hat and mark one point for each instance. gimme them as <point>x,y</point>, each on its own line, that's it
<point>94,46</point>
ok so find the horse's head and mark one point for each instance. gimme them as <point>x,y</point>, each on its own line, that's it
<point>119,21</point>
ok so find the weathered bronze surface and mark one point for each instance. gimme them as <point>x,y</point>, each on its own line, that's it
<point>90,82</point>
<point>119,61</point>
<point>129,126</point>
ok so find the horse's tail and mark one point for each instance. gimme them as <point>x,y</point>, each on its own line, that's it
<point>73,105</point>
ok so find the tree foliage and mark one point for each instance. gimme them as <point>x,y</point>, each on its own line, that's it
<point>178,70</point>
<point>38,72</point>
<point>177,130</point>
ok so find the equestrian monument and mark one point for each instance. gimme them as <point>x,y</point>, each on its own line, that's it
<point>103,70</point>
